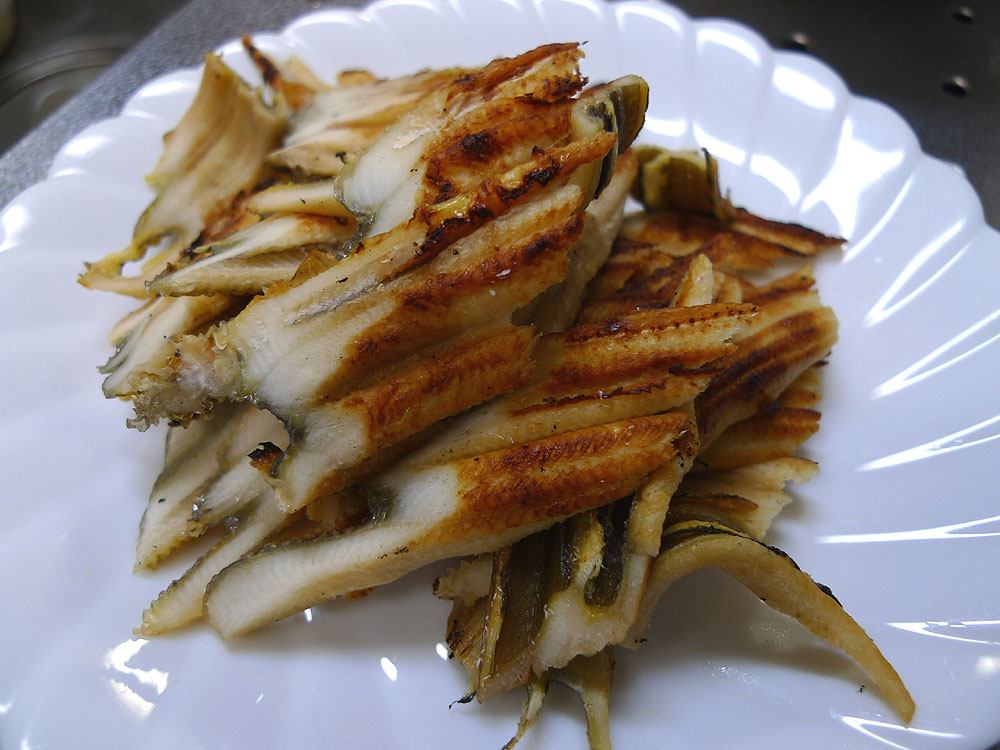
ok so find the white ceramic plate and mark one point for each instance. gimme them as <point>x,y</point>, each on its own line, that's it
<point>902,521</point>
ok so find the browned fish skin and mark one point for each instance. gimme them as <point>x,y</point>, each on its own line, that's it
<point>525,484</point>
<point>413,395</point>
<point>792,236</point>
<point>468,511</point>
<point>427,305</point>
<point>642,278</point>
<point>763,366</point>
<point>641,343</point>
<point>216,152</point>
<point>398,409</point>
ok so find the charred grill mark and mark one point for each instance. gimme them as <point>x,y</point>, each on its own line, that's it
<point>560,87</point>
<point>497,126</point>
<point>443,288</point>
<point>505,70</point>
<point>661,280</point>
<point>640,291</point>
<point>645,344</point>
<point>651,322</point>
<point>649,270</point>
<point>455,228</point>
<point>222,226</point>
<point>496,192</point>
<point>445,383</point>
<point>786,420</point>
<point>451,222</point>
<point>538,177</point>
<point>785,287</point>
<point>675,363</point>
<point>794,237</point>
<point>533,456</point>
<point>760,369</point>
<point>582,469</point>
<point>638,389</point>
<point>440,292</point>
<point>556,241</point>
<point>772,433</point>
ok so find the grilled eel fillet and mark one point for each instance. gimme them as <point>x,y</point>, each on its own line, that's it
<point>443,304</point>
<point>474,249</point>
<point>565,596</point>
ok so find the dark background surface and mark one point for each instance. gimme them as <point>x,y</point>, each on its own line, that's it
<point>937,63</point>
<point>73,62</point>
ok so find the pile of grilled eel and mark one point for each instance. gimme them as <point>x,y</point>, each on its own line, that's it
<point>552,606</point>
<point>391,322</point>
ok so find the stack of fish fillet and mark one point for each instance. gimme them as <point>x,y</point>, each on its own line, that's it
<point>396,321</point>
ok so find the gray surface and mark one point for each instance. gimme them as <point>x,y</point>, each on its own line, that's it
<point>900,53</point>
<point>181,40</point>
<point>59,47</point>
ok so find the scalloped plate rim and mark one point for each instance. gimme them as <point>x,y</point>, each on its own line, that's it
<point>868,726</point>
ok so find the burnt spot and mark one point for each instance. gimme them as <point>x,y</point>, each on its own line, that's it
<point>614,326</point>
<point>455,228</point>
<point>262,185</point>
<point>464,699</point>
<point>561,87</point>
<point>480,146</point>
<point>826,590</point>
<point>434,239</point>
<point>540,176</point>
<point>265,456</point>
<point>267,69</point>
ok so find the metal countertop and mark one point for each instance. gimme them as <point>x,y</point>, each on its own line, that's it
<point>936,62</point>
